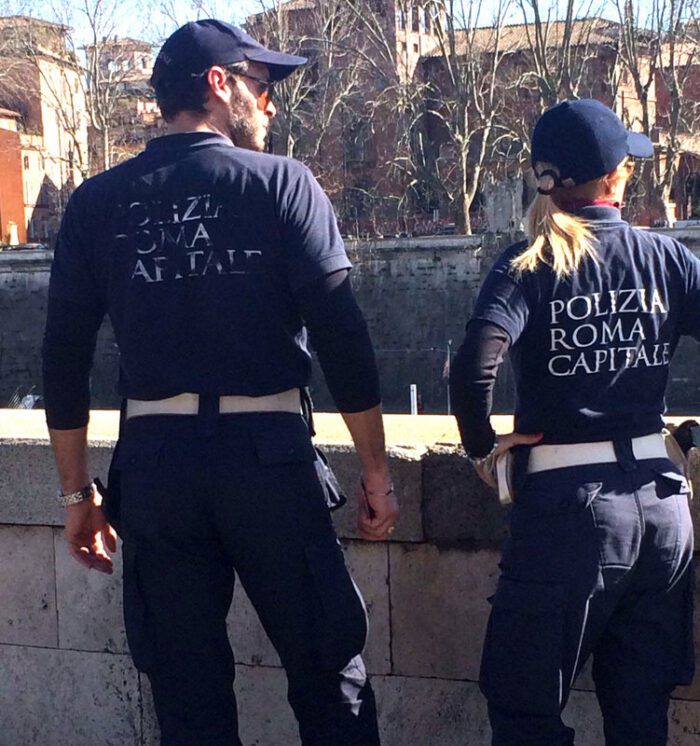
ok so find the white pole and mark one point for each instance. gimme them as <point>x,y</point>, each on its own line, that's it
<point>414,398</point>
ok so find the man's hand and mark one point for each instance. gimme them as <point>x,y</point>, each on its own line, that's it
<point>377,507</point>
<point>89,535</point>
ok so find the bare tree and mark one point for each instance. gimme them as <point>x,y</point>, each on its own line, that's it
<point>467,94</point>
<point>661,55</point>
<point>348,113</point>
<point>308,103</point>
<point>107,68</point>
<point>393,98</point>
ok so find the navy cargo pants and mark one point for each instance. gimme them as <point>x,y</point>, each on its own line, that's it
<point>599,563</point>
<point>200,497</point>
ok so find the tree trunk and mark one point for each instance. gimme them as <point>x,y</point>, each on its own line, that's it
<point>466,201</point>
<point>106,148</point>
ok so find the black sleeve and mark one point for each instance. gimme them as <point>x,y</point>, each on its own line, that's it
<point>339,335</point>
<point>473,375</point>
<point>68,350</point>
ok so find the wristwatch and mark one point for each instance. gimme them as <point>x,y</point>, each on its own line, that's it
<point>86,493</point>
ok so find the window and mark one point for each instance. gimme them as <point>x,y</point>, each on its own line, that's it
<point>401,19</point>
<point>426,19</point>
<point>358,142</point>
<point>26,162</point>
<point>415,18</point>
<point>415,49</point>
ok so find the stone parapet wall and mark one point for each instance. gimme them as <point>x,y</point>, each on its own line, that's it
<point>67,678</point>
<point>416,294</point>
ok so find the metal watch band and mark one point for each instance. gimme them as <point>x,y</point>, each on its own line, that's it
<point>72,498</point>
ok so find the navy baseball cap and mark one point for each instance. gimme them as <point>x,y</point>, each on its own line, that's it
<point>197,46</point>
<point>585,140</point>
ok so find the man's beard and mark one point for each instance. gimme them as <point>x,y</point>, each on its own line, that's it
<point>242,128</point>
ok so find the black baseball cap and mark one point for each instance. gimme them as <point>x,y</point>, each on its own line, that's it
<point>198,45</point>
<point>585,140</point>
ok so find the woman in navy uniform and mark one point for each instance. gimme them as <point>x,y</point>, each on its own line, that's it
<point>599,559</point>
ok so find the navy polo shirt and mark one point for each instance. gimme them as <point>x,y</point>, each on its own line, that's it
<point>195,249</point>
<point>591,352</point>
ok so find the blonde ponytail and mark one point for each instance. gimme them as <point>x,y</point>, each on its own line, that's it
<point>557,238</point>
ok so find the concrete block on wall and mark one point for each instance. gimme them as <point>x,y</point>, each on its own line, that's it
<point>265,717</point>
<point>430,711</point>
<point>439,609</point>
<point>684,723</point>
<point>67,698</point>
<point>89,604</point>
<point>150,732</point>
<point>458,508</point>
<point>369,565</point>
<point>27,590</point>
<point>29,483</point>
<point>583,715</point>
<point>406,472</point>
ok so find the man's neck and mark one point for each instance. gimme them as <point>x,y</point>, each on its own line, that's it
<point>185,122</point>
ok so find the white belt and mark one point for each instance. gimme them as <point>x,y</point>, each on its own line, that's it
<point>562,455</point>
<point>285,401</point>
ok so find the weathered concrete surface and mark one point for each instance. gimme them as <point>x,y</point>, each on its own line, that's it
<point>67,698</point>
<point>431,711</point>
<point>458,508</point>
<point>406,471</point>
<point>439,609</point>
<point>29,482</point>
<point>89,604</point>
<point>426,592</point>
<point>27,587</point>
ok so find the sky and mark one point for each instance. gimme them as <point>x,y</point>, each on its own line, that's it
<point>154,20</point>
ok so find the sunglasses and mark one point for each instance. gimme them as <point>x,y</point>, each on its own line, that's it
<point>264,88</point>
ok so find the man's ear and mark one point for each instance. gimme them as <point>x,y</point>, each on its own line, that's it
<point>219,83</point>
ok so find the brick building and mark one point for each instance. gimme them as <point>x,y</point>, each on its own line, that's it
<point>41,85</point>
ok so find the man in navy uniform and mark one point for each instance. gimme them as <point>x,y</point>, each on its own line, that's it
<point>212,260</point>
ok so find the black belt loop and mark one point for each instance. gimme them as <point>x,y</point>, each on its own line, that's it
<point>207,414</point>
<point>625,454</point>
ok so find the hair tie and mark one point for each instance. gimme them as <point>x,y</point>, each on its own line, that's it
<point>553,181</point>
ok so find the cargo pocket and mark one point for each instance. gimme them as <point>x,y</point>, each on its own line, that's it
<point>340,623</point>
<point>139,628</point>
<point>135,474</point>
<point>521,664</point>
